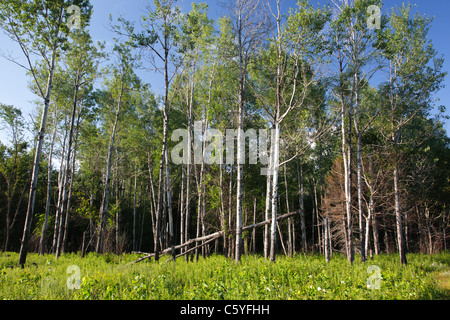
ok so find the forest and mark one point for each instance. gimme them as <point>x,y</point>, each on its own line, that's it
<point>278,132</point>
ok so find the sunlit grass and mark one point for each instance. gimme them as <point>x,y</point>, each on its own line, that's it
<point>303,277</point>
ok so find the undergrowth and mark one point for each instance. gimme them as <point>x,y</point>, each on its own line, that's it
<point>110,276</point>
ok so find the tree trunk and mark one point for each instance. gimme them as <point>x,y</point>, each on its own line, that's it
<point>254,231</point>
<point>222,207</point>
<point>188,169</point>
<point>346,156</point>
<point>274,197</point>
<point>360,198</point>
<point>61,178</point>
<point>134,209</point>
<point>63,208</point>
<point>327,246</point>
<point>105,198</point>
<point>230,213</point>
<point>238,250</point>
<point>37,158</point>
<point>290,225</point>
<point>398,218</point>
<point>376,241</point>
<point>301,204</point>
<point>42,249</point>
<point>182,223</point>
<point>268,203</point>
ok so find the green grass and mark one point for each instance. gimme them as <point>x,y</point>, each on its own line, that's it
<point>302,277</point>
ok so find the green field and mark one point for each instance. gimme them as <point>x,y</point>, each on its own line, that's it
<point>303,277</point>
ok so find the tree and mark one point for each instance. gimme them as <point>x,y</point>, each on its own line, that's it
<point>122,81</point>
<point>39,30</point>
<point>247,21</point>
<point>82,61</point>
<point>13,167</point>
<point>415,75</point>
<point>357,39</point>
<point>295,47</point>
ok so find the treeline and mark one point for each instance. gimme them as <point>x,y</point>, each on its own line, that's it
<point>344,93</point>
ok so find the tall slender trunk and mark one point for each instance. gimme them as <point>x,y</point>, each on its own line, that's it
<point>326,233</point>
<point>134,208</point>
<point>367,232</point>
<point>69,198</point>
<point>222,209</point>
<point>171,237</point>
<point>117,229</point>
<point>346,156</point>
<point>267,211</point>
<point>398,218</point>
<point>188,166</point>
<point>376,241</point>
<point>254,231</point>
<point>37,158</point>
<point>313,215</point>
<point>42,241</point>
<point>316,206</point>
<point>67,170</point>
<point>230,212</point>
<point>274,197</point>
<point>159,212</point>
<point>105,198</point>
<point>301,204</point>
<point>359,172</point>
<point>239,170</point>
<point>61,177</point>
<point>182,224</point>
<point>290,224</point>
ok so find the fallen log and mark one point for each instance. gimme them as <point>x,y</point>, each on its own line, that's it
<point>196,247</point>
<point>211,237</point>
<point>262,223</point>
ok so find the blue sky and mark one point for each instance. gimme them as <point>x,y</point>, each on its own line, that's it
<point>13,79</point>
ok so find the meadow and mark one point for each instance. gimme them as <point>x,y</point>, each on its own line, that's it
<point>110,276</point>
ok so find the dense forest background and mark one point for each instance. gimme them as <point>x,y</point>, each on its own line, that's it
<point>346,92</point>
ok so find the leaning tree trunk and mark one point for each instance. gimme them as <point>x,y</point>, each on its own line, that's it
<point>37,159</point>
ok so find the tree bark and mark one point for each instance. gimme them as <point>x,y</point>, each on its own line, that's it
<point>34,178</point>
<point>67,170</point>
<point>301,204</point>
<point>42,249</point>
<point>274,197</point>
<point>398,218</point>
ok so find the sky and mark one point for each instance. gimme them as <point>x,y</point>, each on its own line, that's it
<point>13,79</point>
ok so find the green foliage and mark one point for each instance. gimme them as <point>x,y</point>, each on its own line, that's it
<point>108,277</point>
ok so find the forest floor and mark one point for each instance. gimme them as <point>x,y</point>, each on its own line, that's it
<point>110,276</point>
